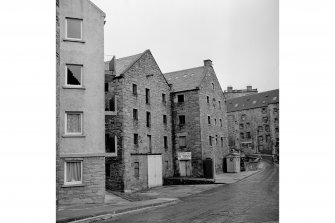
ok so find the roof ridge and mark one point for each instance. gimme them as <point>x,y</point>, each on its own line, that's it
<point>183,70</point>
<point>250,95</point>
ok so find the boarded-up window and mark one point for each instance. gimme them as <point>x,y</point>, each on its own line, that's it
<point>182,141</point>
<point>136,169</point>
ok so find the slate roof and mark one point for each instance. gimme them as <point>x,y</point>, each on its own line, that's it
<point>184,80</point>
<point>124,63</point>
<point>261,99</point>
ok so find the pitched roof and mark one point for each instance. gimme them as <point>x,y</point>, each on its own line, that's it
<point>124,63</point>
<point>261,99</point>
<point>184,80</point>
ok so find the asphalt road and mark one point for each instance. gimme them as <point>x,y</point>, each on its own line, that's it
<point>254,199</point>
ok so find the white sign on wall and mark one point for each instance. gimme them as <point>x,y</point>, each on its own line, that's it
<point>184,156</point>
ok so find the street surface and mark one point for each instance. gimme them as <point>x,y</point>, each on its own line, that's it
<point>254,199</point>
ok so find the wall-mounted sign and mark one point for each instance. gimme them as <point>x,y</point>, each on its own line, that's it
<point>184,156</point>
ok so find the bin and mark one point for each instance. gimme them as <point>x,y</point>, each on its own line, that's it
<point>233,163</point>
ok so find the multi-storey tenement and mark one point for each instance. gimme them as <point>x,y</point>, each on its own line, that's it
<point>80,144</point>
<point>253,122</point>
<point>199,120</point>
<point>138,123</point>
<point>233,93</point>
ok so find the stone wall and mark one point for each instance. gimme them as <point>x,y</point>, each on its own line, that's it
<point>216,109</point>
<point>262,124</point>
<point>93,188</point>
<point>191,109</point>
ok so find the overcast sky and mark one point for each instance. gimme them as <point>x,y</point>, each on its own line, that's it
<point>239,36</point>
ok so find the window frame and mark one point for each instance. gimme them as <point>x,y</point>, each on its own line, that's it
<point>81,76</point>
<point>147,96</point>
<point>179,120</point>
<point>148,119</point>
<point>165,142</point>
<point>81,173</point>
<point>164,119</point>
<point>135,114</point>
<point>81,28</point>
<point>81,123</point>
<point>115,145</point>
<point>164,98</point>
<point>209,119</point>
<point>181,96</point>
<point>134,87</point>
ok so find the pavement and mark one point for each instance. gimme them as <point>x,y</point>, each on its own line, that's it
<point>154,197</point>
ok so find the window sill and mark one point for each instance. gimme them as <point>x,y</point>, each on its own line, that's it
<point>73,40</point>
<point>110,112</point>
<point>74,87</point>
<point>73,185</point>
<point>73,136</point>
<point>110,155</point>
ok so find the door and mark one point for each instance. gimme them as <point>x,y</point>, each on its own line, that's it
<point>155,172</point>
<point>182,168</point>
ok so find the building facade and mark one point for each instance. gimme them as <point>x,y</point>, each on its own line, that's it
<point>199,120</point>
<point>137,123</point>
<point>253,123</point>
<point>233,93</point>
<point>80,144</point>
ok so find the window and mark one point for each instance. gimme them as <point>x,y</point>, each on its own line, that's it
<point>268,138</point>
<point>134,89</point>
<point>220,105</point>
<point>260,147</point>
<point>164,119</point>
<point>73,172</point>
<point>136,169</point>
<point>275,110</point>
<point>241,126</point>
<point>74,28</point>
<point>210,140</point>
<point>149,143</point>
<point>221,141</point>
<point>276,120</point>
<point>213,86</point>
<point>73,123</point>
<point>248,125</point>
<point>248,135</point>
<point>163,99</point>
<point>136,139</point>
<point>242,135</point>
<point>267,128</point>
<point>182,141</point>
<point>181,119</point>
<point>265,119</point>
<point>111,104</point>
<point>260,139</point>
<point>209,120</point>
<point>215,121</point>
<point>111,143</point>
<point>148,119</point>
<point>165,142</point>
<point>243,117</point>
<point>208,99</point>
<point>147,96</point>
<point>220,122</point>
<point>106,87</point>
<point>216,139</point>
<point>180,98</point>
<point>264,110</point>
<point>135,115</point>
<point>277,130</point>
<point>260,128</point>
<point>214,104</point>
<point>73,75</point>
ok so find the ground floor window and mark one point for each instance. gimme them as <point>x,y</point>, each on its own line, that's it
<point>137,169</point>
<point>73,172</point>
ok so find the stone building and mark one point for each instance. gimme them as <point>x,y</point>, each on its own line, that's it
<point>137,123</point>
<point>233,93</point>
<point>253,122</point>
<point>199,120</point>
<point>80,161</point>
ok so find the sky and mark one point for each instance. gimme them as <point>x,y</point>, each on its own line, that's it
<point>241,37</point>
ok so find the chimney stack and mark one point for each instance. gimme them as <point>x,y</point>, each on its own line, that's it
<point>229,88</point>
<point>208,62</point>
<point>249,88</point>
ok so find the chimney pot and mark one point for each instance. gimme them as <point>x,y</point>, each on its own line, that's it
<point>249,87</point>
<point>229,88</point>
<point>208,62</point>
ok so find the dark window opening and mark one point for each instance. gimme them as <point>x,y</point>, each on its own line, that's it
<point>73,75</point>
<point>110,143</point>
<point>210,140</point>
<point>134,89</point>
<point>149,143</point>
<point>219,104</point>
<point>135,115</point>
<point>148,119</point>
<point>242,135</point>
<point>181,119</point>
<point>163,99</point>
<point>220,122</point>
<point>147,96</point>
<point>180,98</point>
<point>264,110</point>
<point>164,119</point>
<point>209,120</point>
<point>108,170</point>
<point>136,139</point>
<point>213,86</point>
<point>136,169</point>
<point>277,130</point>
<point>267,128</point>
<point>165,143</point>
<point>182,141</point>
<point>106,87</point>
<point>221,141</point>
<point>112,104</point>
<point>248,135</point>
<point>208,99</point>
